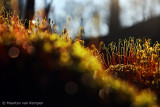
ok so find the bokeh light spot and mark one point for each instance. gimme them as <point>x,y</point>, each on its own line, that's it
<point>71,88</point>
<point>31,49</point>
<point>86,79</point>
<point>103,93</point>
<point>47,47</point>
<point>13,52</point>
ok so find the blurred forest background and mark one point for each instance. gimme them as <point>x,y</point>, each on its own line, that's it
<point>99,19</point>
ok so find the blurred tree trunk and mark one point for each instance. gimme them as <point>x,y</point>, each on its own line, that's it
<point>114,17</point>
<point>29,11</point>
<point>1,5</point>
<point>15,5</point>
<point>21,6</point>
<point>7,4</point>
<point>144,8</point>
<point>10,5</point>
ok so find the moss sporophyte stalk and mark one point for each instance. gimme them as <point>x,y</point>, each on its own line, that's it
<point>114,68</point>
<point>135,61</point>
